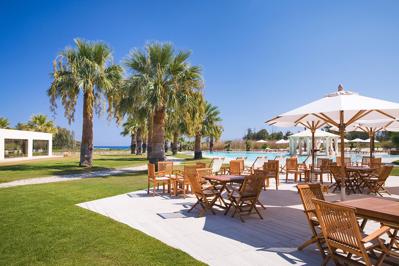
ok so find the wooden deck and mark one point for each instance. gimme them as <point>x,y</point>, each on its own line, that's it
<point>222,240</point>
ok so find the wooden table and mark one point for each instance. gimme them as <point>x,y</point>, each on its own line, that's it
<point>222,181</point>
<point>380,210</point>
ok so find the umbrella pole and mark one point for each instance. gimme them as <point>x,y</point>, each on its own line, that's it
<point>342,135</point>
<point>371,136</point>
<point>313,146</point>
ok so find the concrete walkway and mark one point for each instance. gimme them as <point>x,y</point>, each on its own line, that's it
<point>63,178</point>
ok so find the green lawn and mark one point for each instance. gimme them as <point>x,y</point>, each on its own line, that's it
<point>67,165</point>
<point>41,225</point>
<point>395,171</point>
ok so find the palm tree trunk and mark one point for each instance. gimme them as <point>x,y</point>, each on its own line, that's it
<point>197,147</point>
<point>86,146</point>
<point>158,137</point>
<point>132,143</point>
<point>211,143</point>
<point>144,145</point>
<point>174,143</point>
<point>139,141</point>
<point>166,146</point>
<point>149,135</point>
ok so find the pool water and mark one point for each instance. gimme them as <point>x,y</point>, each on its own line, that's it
<point>251,155</point>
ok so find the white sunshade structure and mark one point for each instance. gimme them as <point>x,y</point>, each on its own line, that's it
<point>358,140</point>
<point>340,109</point>
<point>261,141</point>
<point>320,137</point>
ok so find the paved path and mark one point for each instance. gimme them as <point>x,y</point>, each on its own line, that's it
<point>62,178</point>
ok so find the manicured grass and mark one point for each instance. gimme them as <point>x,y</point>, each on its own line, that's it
<point>395,171</point>
<point>67,165</point>
<point>41,225</point>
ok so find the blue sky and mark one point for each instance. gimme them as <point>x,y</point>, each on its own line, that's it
<point>259,58</point>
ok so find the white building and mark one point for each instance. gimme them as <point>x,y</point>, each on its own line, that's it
<point>20,144</point>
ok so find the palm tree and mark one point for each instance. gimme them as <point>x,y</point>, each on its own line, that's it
<point>210,126</point>
<point>162,77</point>
<point>41,123</point>
<point>87,68</point>
<point>4,123</point>
<point>130,128</point>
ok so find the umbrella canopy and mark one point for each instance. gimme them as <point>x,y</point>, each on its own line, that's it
<point>282,141</point>
<point>345,140</point>
<point>369,140</point>
<point>357,140</point>
<point>261,141</point>
<point>340,109</point>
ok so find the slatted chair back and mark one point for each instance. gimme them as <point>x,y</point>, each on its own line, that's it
<point>189,170</point>
<point>337,172</point>
<point>194,181</point>
<point>202,172</point>
<point>271,166</point>
<point>236,167</point>
<point>291,164</point>
<point>252,186</point>
<point>200,165</point>
<point>375,162</point>
<point>165,167</point>
<point>151,171</point>
<point>324,164</point>
<point>384,173</point>
<point>307,192</point>
<point>347,161</point>
<point>216,164</point>
<point>340,228</point>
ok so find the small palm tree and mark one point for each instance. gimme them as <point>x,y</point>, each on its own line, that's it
<point>130,128</point>
<point>41,123</point>
<point>211,127</point>
<point>88,69</point>
<point>4,123</point>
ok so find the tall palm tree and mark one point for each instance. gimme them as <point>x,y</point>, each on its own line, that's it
<point>41,123</point>
<point>88,69</point>
<point>4,123</point>
<point>211,125</point>
<point>161,78</point>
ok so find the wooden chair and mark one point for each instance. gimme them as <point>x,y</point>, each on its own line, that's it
<point>307,192</point>
<point>347,161</point>
<point>201,173</point>
<point>236,167</point>
<point>206,196</point>
<point>244,200</point>
<point>292,167</point>
<point>339,175</point>
<point>375,163</point>
<point>376,182</point>
<point>366,161</point>
<point>322,167</point>
<point>156,178</point>
<point>342,232</point>
<point>200,165</point>
<point>271,170</point>
<point>183,179</point>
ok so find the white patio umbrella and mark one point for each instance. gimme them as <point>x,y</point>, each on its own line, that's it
<point>358,140</point>
<point>261,141</point>
<point>345,141</point>
<point>283,141</point>
<point>372,127</point>
<point>340,109</point>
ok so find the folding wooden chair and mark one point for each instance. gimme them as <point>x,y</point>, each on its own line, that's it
<point>236,167</point>
<point>342,232</point>
<point>307,192</point>
<point>244,200</point>
<point>156,178</point>
<point>376,182</point>
<point>183,179</point>
<point>322,167</point>
<point>347,161</point>
<point>206,197</point>
<point>339,175</point>
<point>271,170</point>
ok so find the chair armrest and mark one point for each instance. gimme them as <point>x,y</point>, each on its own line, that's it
<point>377,233</point>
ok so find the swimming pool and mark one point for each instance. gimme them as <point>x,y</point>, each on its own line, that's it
<point>251,156</point>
